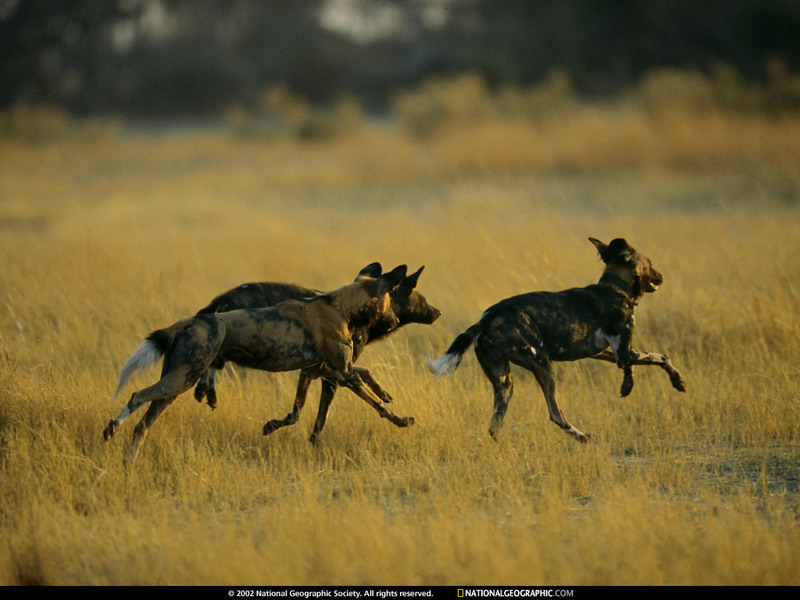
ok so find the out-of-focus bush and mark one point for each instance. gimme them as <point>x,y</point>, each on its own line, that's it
<point>464,100</point>
<point>441,101</point>
<point>45,122</point>
<point>35,122</point>
<point>555,96</point>
<point>670,90</point>
<point>280,112</point>
<point>782,89</point>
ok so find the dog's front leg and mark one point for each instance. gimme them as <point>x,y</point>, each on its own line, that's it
<point>329,387</point>
<point>353,381</point>
<point>367,378</point>
<point>660,360</point>
<point>207,388</point>
<point>627,381</point>
<point>303,383</point>
<point>636,357</point>
<point>627,371</point>
<point>620,354</point>
<point>339,366</point>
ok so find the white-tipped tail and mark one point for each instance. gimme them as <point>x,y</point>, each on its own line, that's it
<point>146,355</point>
<point>444,365</point>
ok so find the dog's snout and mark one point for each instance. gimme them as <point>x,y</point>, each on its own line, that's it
<point>654,281</point>
<point>433,315</point>
<point>658,279</point>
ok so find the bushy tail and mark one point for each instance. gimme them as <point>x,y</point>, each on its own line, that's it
<point>449,361</point>
<point>151,350</point>
<point>147,354</point>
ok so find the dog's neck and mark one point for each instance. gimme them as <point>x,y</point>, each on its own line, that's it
<point>619,283</point>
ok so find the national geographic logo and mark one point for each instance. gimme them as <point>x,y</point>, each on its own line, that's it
<point>515,593</point>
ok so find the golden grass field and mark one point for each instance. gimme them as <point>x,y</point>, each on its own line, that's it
<point>105,238</point>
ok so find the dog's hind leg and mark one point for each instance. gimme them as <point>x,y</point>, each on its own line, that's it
<point>193,351</point>
<point>522,351</point>
<point>303,383</point>
<point>173,383</point>
<point>498,370</point>
<point>542,369</point>
<point>142,427</point>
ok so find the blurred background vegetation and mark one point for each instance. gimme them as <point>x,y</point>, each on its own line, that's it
<point>154,153</point>
<point>318,67</point>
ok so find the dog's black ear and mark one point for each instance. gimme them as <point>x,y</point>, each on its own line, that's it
<point>410,282</point>
<point>372,270</point>
<point>619,249</point>
<point>601,248</point>
<point>388,281</point>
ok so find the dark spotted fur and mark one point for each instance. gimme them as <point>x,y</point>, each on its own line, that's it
<point>296,334</point>
<point>533,330</point>
<point>408,305</point>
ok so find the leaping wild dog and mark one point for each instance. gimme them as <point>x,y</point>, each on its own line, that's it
<point>407,304</point>
<point>535,329</point>
<point>296,334</point>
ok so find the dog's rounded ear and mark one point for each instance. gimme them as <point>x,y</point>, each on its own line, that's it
<point>388,281</point>
<point>410,282</point>
<point>620,249</point>
<point>372,270</point>
<point>601,248</point>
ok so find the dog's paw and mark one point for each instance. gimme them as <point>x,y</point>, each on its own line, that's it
<point>578,435</point>
<point>677,382</point>
<point>272,425</point>
<point>626,388</point>
<point>109,431</point>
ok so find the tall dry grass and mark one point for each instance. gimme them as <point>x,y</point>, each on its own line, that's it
<point>105,239</point>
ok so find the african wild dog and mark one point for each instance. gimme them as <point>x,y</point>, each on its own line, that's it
<point>295,334</point>
<point>533,330</point>
<point>406,302</point>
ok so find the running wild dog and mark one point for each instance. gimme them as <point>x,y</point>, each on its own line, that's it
<point>535,329</point>
<point>295,334</point>
<point>407,304</point>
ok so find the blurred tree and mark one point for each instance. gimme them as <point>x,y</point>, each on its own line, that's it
<point>53,51</point>
<point>197,57</point>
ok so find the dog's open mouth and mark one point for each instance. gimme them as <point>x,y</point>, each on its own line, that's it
<point>653,281</point>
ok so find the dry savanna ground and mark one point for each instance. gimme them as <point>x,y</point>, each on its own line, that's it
<point>104,238</point>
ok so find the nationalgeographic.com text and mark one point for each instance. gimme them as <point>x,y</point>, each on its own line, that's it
<point>516,593</point>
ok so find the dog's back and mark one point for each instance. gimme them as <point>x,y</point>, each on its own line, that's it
<point>257,295</point>
<point>568,324</point>
<point>290,333</point>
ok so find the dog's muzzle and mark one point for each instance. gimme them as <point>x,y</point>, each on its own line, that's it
<point>654,281</point>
